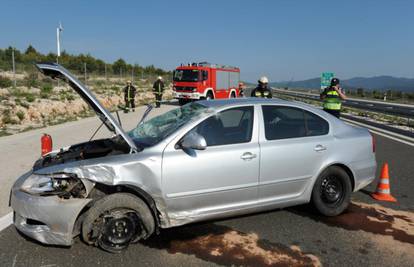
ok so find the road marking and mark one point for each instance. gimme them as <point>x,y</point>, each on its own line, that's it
<point>384,133</point>
<point>6,220</point>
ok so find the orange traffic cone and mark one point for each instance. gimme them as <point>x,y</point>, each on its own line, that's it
<point>383,191</point>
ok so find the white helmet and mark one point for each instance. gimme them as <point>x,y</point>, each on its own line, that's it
<point>159,78</point>
<point>263,79</point>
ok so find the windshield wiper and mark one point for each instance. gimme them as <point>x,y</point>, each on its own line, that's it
<point>147,111</point>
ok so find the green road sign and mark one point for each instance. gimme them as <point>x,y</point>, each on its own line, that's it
<point>326,78</point>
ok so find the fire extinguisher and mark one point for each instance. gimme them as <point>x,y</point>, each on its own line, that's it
<point>46,144</point>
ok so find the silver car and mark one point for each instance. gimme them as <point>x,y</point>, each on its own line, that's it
<point>204,160</point>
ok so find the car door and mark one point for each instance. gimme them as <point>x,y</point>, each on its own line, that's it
<point>294,143</point>
<point>220,178</point>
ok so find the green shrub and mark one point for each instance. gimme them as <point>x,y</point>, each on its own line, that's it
<point>20,115</point>
<point>7,119</point>
<point>30,97</point>
<point>5,82</point>
<point>31,80</point>
<point>47,88</point>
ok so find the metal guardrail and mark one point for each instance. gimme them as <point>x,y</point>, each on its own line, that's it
<point>401,110</point>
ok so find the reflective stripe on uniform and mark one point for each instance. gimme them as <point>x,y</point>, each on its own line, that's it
<point>332,101</point>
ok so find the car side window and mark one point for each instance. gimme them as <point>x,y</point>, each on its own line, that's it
<point>315,125</point>
<point>283,122</point>
<point>288,122</point>
<point>231,126</point>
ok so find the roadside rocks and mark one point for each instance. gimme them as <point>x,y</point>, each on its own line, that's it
<point>18,112</point>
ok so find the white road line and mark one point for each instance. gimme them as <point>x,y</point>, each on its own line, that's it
<point>6,220</point>
<point>384,133</point>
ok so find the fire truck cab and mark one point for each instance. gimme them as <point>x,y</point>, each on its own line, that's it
<point>205,81</point>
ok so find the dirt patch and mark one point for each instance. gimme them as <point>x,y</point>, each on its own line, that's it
<point>373,218</point>
<point>225,246</point>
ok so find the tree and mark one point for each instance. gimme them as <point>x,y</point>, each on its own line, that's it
<point>118,65</point>
<point>30,49</point>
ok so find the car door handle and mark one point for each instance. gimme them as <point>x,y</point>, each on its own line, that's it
<point>248,156</point>
<point>319,148</point>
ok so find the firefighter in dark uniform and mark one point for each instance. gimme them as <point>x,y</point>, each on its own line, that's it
<point>262,90</point>
<point>332,98</point>
<point>158,90</point>
<point>129,96</point>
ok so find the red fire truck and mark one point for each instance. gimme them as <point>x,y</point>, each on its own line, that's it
<point>205,81</point>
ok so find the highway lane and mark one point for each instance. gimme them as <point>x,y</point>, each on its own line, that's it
<point>368,235</point>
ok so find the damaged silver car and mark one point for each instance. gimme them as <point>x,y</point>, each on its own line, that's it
<point>204,160</point>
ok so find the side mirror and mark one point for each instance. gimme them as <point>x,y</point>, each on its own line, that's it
<point>193,140</point>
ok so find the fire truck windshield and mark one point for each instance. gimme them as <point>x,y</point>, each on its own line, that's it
<point>186,75</point>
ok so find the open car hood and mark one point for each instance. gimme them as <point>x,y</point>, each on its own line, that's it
<point>56,71</point>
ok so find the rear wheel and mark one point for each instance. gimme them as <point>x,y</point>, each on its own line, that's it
<point>233,95</point>
<point>117,220</point>
<point>331,193</point>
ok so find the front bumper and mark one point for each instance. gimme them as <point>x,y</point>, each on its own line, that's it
<point>49,220</point>
<point>187,95</point>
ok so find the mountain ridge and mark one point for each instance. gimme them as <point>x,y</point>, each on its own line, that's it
<point>380,82</point>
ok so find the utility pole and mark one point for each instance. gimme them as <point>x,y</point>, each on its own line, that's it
<point>132,74</point>
<point>14,68</point>
<point>58,30</point>
<point>120,73</point>
<point>106,76</point>
<point>84,68</point>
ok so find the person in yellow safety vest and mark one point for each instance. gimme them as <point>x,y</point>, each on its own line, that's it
<point>262,90</point>
<point>129,96</point>
<point>158,90</point>
<point>332,98</point>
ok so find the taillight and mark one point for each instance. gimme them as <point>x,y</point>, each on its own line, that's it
<point>373,142</point>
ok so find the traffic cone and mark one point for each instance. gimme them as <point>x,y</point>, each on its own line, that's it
<point>383,191</point>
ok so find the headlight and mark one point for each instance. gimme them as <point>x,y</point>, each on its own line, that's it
<point>62,185</point>
<point>194,89</point>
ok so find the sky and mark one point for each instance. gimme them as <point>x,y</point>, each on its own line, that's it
<point>282,39</point>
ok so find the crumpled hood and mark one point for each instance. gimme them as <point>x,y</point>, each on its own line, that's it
<point>56,71</point>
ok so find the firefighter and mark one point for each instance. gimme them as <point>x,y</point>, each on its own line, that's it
<point>241,89</point>
<point>262,90</point>
<point>129,96</point>
<point>332,98</point>
<point>158,90</point>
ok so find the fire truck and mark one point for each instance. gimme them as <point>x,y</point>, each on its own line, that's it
<point>205,81</point>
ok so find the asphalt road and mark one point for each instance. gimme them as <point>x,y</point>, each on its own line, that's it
<point>369,234</point>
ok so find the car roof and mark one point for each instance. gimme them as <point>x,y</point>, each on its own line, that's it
<point>218,103</point>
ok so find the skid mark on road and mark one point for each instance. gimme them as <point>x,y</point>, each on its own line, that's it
<point>373,218</point>
<point>225,246</point>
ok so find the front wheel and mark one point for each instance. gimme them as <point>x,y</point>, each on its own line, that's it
<point>331,193</point>
<point>182,101</point>
<point>117,220</point>
<point>209,96</point>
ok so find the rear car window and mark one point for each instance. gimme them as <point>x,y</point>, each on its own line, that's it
<point>231,126</point>
<point>315,125</point>
<point>288,122</point>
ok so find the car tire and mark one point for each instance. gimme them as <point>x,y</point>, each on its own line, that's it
<point>117,220</point>
<point>332,191</point>
<point>233,95</point>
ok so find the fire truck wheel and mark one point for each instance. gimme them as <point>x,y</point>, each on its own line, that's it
<point>233,95</point>
<point>209,96</point>
<point>182,101</point>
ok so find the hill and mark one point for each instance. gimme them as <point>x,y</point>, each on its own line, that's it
<point>381,83</point>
